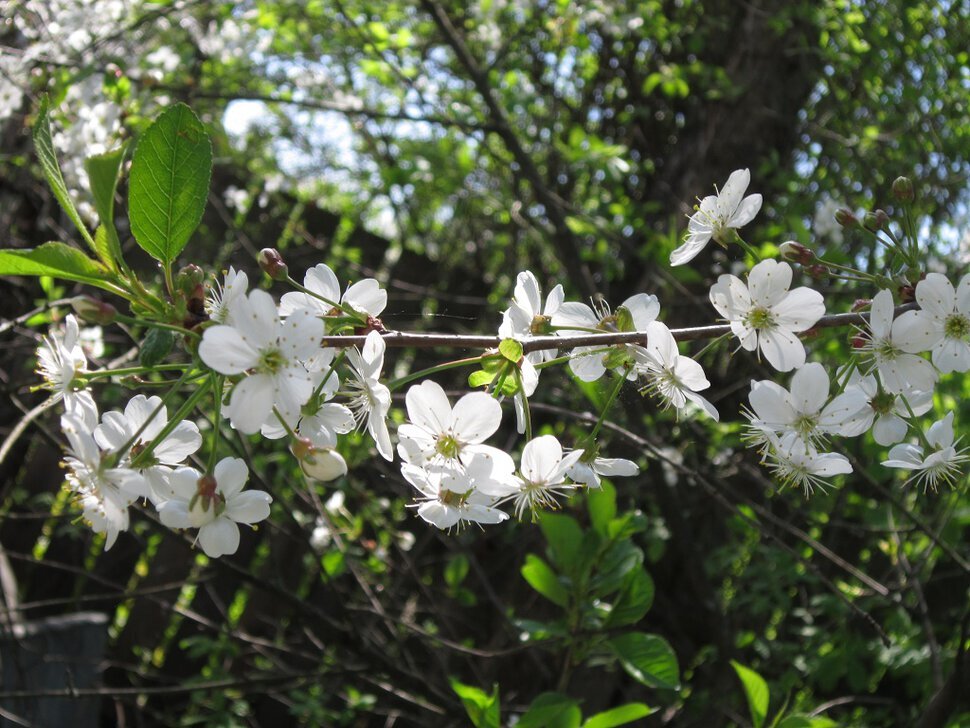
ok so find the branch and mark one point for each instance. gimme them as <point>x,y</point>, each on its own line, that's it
<point>403,339</point>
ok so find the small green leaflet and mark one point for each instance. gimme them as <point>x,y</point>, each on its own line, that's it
<point>648,659</point>
<point>169,183</point>
<point>103,173</point>
<point>756,690</point>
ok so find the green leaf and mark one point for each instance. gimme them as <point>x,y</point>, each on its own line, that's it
<point>805,721</point>
<point>482,707</point>
<point>104,170</point>
<point>614,564</point>
<point>456,570</point>
<point>57,260</point>
<point>634,601</point>
<point>601,505</point>
<point>544,580</point>
<point>551,710</point>
<point>756,691</point>
<point>480,378</point>
<point>564,537</point>
<point>619,716</point>
<point>511,350</point>
<point>169,182</point>
<point>156,346</point>
<point>648,659</point>
<point>44,145</point>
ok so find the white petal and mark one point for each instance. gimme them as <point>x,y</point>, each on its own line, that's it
<point>800,309</point>
<point>810,388</point>
<point>438,514</point>
<point>366,296</point>
<point>888,429</point>
<point>750,206</point>
<point>615,467</point>
<point>772,404</point>
<point>940,434</point>
<point>224,349</point>
<point>181,442</point>
<point>916,331</point>
<point>936,296</point>
<point>251,403</point>
<point>782,349</point>
<point>643,309</point>
<point>428,407</point>
<point>541,457</point>
<point>299,336</point>
<point>231,475</point>
<point>768,282</point>
<point>881,314</point>
<point>952,355</point>
<point>323,281</point>
<point>249,507</point>
<point>526,294</point>
<point>219,538</point>
<point>587,363</point>
<point>729,196</point>
<point>572,313</point>
<point>476,417</point>
<point>174,514</point>
<point>690,248</point>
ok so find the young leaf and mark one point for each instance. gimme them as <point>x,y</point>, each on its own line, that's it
<point>156,346</point>
<point>601,505</point>
<point>482,708</point>
<point>103,173</point>
<point>648,659</point>
<point>57,260</point>
<point>756,691</point>
<point>43,143</point>
<point>169,182</point>
<point>551,710</point>
<point>543,579</point>
<point>511,350</point>
<point>634,601</point>
<point>619,716</point>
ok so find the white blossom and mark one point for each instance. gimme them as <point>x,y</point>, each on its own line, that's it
<point>675,379</point>
<point>943,463</point>
<point>448,499</point>
<point>215,505</point>
<point>942,325</point>
<point>365,297</point>
<point>542,475</point>
<point>526,316</point>
<point>890,344</point>
<point>717,213</point>
<point>796,462</point>
<point>765,315</point>
<point>269,352</point>
<point>371,400</point>
<point>884,412</point>
<point>220,299</point>
<point>60,359</point>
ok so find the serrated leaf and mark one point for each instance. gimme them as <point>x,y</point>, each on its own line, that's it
<point>169,183</point>
<point>619,716</point>
<point>551,710</point>
<point>511,350</point>
<point>57,260</point>
<point>544,580</point>
<point>755,690</point>
<point>482,708</point>
<point>44,145</point>
<point>104,171</point>
<point>648,659</point>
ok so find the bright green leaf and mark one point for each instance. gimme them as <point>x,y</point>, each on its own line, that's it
<point>619,716</point>
<point>456,570</point>
<point>544,580</point>
<point>57,260</point>
<point>551,710</point>
<point>805,721</point>
<point>564,537</point>
<point>104,171</point>
<point>482,708</point>
<point>44,145</point>
<point>601,504</point>
<point>511,350</point>
<point>480,378</point>
<point>169,182</point>
<point>756,691</point>
<point>155,347</point>
<point>648,659</point>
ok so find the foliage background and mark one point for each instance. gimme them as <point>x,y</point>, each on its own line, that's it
<point>443,147</point>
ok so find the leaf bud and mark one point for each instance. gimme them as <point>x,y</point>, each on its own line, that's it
<point>93,311</point>
<point>796,252</point>
<point>272,263</point>
<point>903,189</point>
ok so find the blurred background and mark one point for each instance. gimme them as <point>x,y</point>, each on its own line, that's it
<point>442,147</point>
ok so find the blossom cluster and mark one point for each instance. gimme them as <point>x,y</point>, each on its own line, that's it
<point>280,370</point>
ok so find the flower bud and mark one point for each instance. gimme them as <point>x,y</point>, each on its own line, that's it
<point>319,463</point>
<point>845,218</point>
<point>817,271</point>
<point>875,220</point>
<point>272,264</point>
<point>796,252</point>
<point>93,311</point>
<point>189,278</point>
<point>903,189</point>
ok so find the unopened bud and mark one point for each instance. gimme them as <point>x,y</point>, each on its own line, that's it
<point>903,189</point>
<point>93,311</point>
<point>817,271</point>
<point>859,341</point>
<point>189,278</point>
<point>272,264</point>
<point>319,463</point>
<point>875,220</point>
<point>845,218</point>
<point>796,252</point>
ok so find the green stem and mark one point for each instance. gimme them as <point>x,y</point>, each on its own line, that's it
<point>169,283</point>
<point>401,381</point>
<point>155,325</point>
<point>286,425</point>
<point>621,378</point>
<point>711,344</point>
<point>130,371</point>
<point>218,383</point>
<point>333,304</point>
<point>747,247</point>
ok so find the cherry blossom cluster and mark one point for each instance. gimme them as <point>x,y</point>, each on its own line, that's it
<point>282,370</point>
